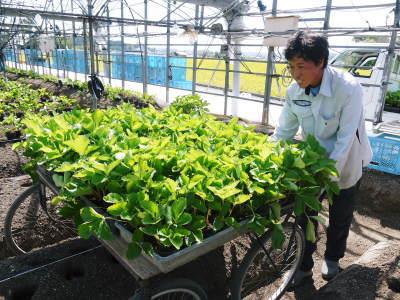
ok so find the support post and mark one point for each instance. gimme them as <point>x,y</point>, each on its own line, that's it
<point>85,54</point>
<point>74,43</point>
<point>122,47</point>
<point>108,47</point>
<point>327,14</point>
<point>227,70</point>
<point>387,66</point>
<point>268,79</point>
<point>194,65</point>
<point>145,49</point>
<point>168,73</point>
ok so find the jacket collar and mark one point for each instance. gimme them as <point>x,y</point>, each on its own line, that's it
<point>326,84</point>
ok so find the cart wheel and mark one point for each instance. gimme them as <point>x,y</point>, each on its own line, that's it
<point>28,226</point>
<point>264,275</point>
<point>172,289</point>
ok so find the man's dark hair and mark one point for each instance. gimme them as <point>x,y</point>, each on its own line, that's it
<point>309,46</point>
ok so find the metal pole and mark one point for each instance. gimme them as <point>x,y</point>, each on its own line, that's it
<point>15,53</point>
<point>91,41</point>
<point>194,71</point>
<point>268,79</point>
<point>145,49</point>
<point>236,76</point>
<point>327,14</point>
<point>85,49</point>
<point>74,44</point>
<point>227,69</point>
<point>55,42</point>
<point>91,48</point>
<point>48,54</point>
<point>65,44</point>
<point>168,74</point>
<point>122,47</point>
<point>387,67</point>
<point>108,47</point>
<point>24,51</point>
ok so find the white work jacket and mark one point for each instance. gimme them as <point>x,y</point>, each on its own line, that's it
<point>336,119</point>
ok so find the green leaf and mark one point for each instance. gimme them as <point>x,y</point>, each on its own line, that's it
<point>98,116</point>
<point>312,202</point>
<point>150,206</point>
<point>226,191</point>
<point>319,219</point>
<point>310,231</point>
<point>195,180</point>
<point>56,200</point>
<point>149,230</point>
<point>117,209</point>
<point>277,236</point>
<point>184,219</point>
<point>86,230</point>
<point>299,206</point>
<point>68,211</point>
<point>178,207</point>
<point>181,232</point>
<point>79,144</point>
<point>218,223</point>
<point>137,235</point>
<point>58,180</point>
<point>177,242</point>
<point>276,210</point>
<point>170,185</point>
<point>299,163</point>
<point>149,219</point>
<point>199,204</point>
<point>88,214</point>
<point>232,222</point>
<point>104,231</point>
<point>112,166</point>
<point>133,251</point>
<point>198,222</point>
<point>113,198</point>
<point>198,235</point>
<point>242,198</point>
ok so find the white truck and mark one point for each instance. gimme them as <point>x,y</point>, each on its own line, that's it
<point>367,64</point>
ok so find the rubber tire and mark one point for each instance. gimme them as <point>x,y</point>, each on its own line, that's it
<point>60,228</point>
<point>11,244</point>
<point>240,274</point>
<point>170,286</point>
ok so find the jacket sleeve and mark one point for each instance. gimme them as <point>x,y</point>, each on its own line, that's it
<point>349,119</point>
<point>288,124</point>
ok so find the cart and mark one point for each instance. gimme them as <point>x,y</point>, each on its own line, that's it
<point>264,272</point>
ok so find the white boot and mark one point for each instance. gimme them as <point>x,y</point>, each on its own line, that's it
<point>329,269</point>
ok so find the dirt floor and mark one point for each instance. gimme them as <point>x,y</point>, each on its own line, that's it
<point>83,269</point>
<point>95,274</point>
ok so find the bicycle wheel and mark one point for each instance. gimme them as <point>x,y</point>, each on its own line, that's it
<point>184,289</point>
<point>264,275</point>
<point>27,225</point>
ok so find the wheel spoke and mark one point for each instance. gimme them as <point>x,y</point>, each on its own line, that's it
<point>262,271</point>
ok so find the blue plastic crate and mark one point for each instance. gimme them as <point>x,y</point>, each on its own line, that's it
<point>386,153</point>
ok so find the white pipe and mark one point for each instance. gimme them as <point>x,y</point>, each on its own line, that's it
<point>236,78</point>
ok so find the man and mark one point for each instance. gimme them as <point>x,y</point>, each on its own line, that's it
<point>326,103</point>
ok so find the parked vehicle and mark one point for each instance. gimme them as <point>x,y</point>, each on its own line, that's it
<point>367,64</point>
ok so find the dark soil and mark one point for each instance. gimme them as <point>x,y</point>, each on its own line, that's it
<point>96,274</point>
<point>11,161</point>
